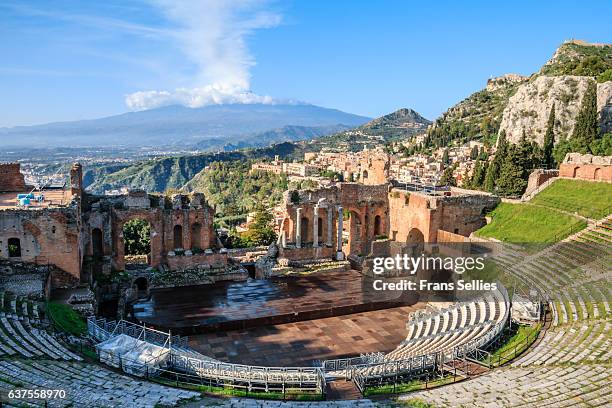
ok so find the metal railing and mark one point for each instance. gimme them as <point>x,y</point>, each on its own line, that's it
<point>101,330</point>
<point>403,369</point>
<point>345,364</point>
<point>186,365</point>
<point>497,358</point>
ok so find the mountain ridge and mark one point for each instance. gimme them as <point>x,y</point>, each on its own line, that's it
<point>173,125</point>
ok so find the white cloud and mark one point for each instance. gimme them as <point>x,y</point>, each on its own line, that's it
<point>212,34</point>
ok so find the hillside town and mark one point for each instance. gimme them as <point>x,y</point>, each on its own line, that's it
<point>372,166</point>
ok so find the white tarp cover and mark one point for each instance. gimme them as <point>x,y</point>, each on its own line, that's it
<point>144,359</point>
<point>111,350</point>
<point>524,309</point>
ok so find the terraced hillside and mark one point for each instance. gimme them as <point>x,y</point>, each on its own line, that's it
<point>586,198</point>
<point>557,211</point>
<point>526,223</point>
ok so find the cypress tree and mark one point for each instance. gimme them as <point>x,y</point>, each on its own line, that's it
<point>495,166</point>
<point>465,179</point>
<point>445,158</point>
<point>478,174</point>
<point>549,140</point>
<point>586,128</point>
<point>512,180</point>
<point>474,153</point>
<point>447,177</point>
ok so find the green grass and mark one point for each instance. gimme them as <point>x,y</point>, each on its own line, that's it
<point>587,198</point>
<point>522,338</point>
<point>417,403</point>
<point>409,386</point>
<point>524,223</point>
<point>66,319</point>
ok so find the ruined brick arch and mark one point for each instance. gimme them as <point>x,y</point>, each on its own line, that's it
<point>196,235</point>
<point>356,227</point>
<point>97,242</point>
<point>377,225</point>
<point>177,236</point>
<point>120,218</point>
<point>415,236</point>
<point>14,247</point>
<point>575,171</point>
<point>597,174</point>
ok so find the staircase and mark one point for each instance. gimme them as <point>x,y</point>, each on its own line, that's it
<point>342,390</point>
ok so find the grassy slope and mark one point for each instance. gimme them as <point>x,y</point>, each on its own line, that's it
<point>66,319</point>
<point>524,223</point>
<point>589,199</point>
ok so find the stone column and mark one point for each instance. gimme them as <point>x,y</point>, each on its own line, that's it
<point>315,227</point>
<point>339,253</point>
<point>298,228</point>
<point>330,226</point>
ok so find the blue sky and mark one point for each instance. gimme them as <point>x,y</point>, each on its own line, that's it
<point>68,60</point>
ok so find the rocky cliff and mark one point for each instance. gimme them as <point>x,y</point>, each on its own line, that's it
<point>515,103</point>
<point>528,109</point>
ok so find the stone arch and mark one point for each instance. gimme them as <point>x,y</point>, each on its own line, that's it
<point>597,174</point>
<point>14,248</point>
<point>177,236</point>
<point>415,241</point>
<point>196,236</point>
<point>356,231</point>
<point>364,175</point>
<point>141,287</point>
<point>415,236</point>
<point>575,171</point>
<point>377,225</point>
<point>141,283</point>
<point>97,243</point>
<point>140,247</point>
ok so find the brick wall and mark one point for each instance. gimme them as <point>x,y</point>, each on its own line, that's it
<point>47,236</point>
<point>11,178</point>
<point>586,172</point>
<point>416,217</point>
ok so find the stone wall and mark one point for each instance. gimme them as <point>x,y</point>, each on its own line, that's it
<point>180,222</point>
<point>539,177</point>
<point>586,167</point>
<point>46,236</point>
<point>315,218</point>
<point>299,254</point>
<point>11,179</point>
<point>417,217</point>
<point>184,262</point>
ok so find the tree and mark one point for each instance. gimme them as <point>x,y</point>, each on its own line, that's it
<point>261,230</point>
<point>445,158</point>
<point>603,146</point>
<point>447,177</point>
<point>549,141</point>
<point>586,128</point>
<point>512,176</point>
<point>465,179</point>
<point>137,237</point>
<point>474,153</point>
<point>478,174</point>
<point>494,167</point>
